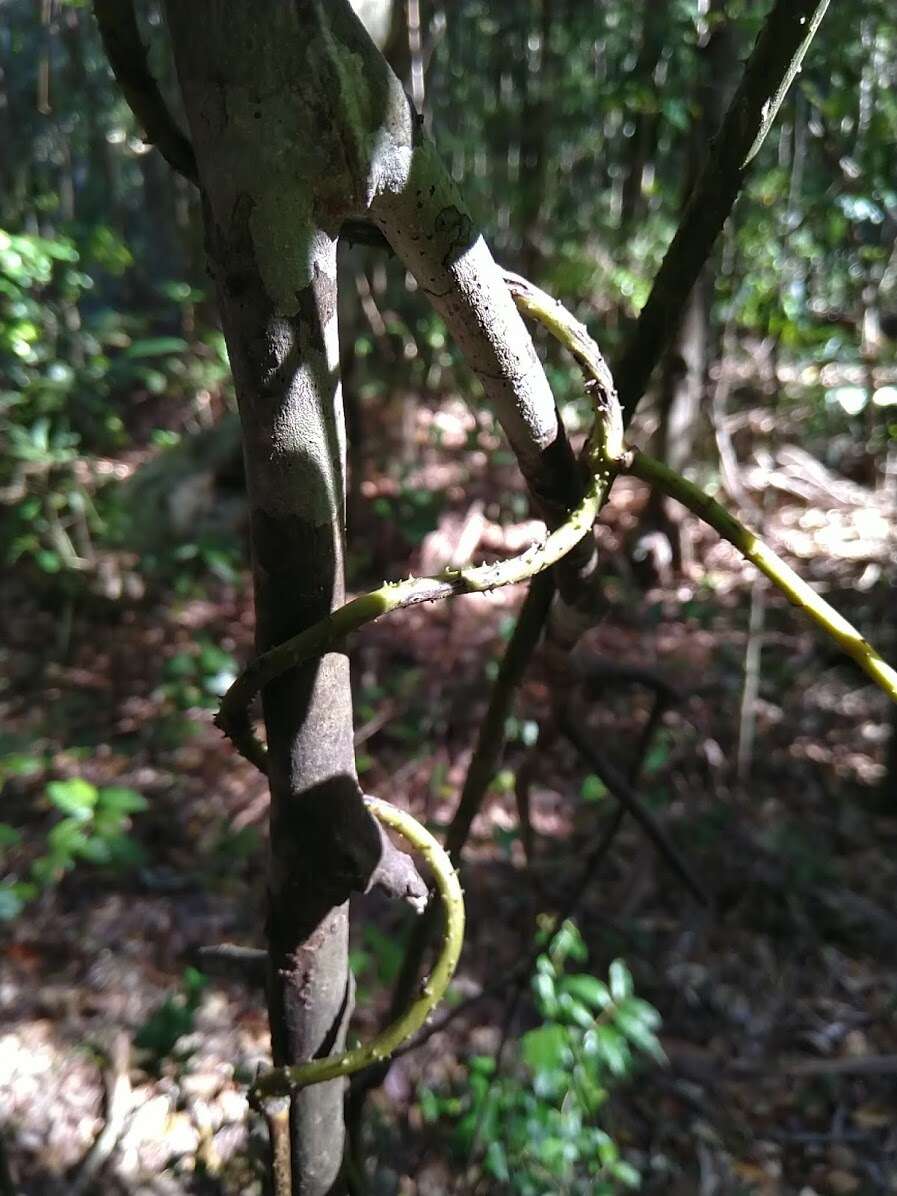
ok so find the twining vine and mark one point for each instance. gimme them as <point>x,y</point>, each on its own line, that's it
<point>605,455</point>
<point>281,1080</point>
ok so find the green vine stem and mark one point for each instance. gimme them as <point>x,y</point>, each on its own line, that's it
<point>758,552</point>
<point>605,456</point>
<point>280,1081</point>
<point>233,714</point>
<point>571,333</point>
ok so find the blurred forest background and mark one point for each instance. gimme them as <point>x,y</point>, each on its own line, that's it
<point>131,834</point>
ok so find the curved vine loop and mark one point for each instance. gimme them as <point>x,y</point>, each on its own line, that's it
<point>605,456</point>
<point>602,452</point>
<point>603,460</point>
<point>752,547</point>
<point>280,1081</point>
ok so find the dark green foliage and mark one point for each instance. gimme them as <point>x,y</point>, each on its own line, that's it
<point>198,676</point>
<point>573,151</point>
<point>94,829</point>
<point>170,1022</point>
<point>536,1126</point>
<point>69,369</point>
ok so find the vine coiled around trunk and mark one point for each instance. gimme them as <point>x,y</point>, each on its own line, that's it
<point>280,1081</point>
<point>604,456</point>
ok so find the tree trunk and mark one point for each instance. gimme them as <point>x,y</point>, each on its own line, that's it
<point>889,784</point>
<point>643,143</point>
<point>287,373</point>
<point>299,125</point>
<point>275,278</point>
<point>535,144</point>
<point>684,367</point>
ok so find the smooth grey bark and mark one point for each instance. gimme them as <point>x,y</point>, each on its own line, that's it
<point>273,205</point>
<point>298,125</point>
<point>424,218</point>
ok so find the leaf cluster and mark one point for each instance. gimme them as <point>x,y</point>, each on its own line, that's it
<point>538,1124</point>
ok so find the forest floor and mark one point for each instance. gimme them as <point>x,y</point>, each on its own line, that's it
<point>777,997</point>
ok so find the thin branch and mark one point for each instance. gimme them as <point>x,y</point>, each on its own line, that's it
<point>606,438</point>
<point>484,763</point>
<point>775,60</point>
<point>235,962</point>
<point>862,1065</point>
<point>118,1101</point>
<point>277,1118</point>
<point>750,689</point>
<point>596,672</point>
<point>589,872</point>
<point>127,55</point>
<point>659,707</point>
<point>491,738</point>
<point>587,876</point>
<point>629,799</point>
<point>331,631</point>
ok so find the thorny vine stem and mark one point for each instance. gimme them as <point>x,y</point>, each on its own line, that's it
<point>605,456</point>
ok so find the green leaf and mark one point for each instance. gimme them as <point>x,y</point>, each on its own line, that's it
<point>496,1162</point>
<point>639,1034</point>
<point>575,1011</point>
<point>19,764</point>
<point>67,838</point>
<point>9,836</point>
<point>545,1048</point>
<point>591,1094</point>
<point>387,951</point>
<point>608,1151</point>
<point>593,789</point>
<point>546,998</point>
<point>213,659</point>
<point>588,989</point>
<point>555,1154</point>
<point>568,944</point>
<point>48,869</point>
<point>157,346</point>
<point>611,1048</point>
<point>11,901</point>
<point>120,800</point>
<point>95,851</point>
<point>626,1174</point>
<point>429,1104</point>
<point>74,796</point>
<point>642,1011</point>
<point>620,980</point>
<point>657,756</point>
<point>182,664</point>
<point>48,561</point>
<point>195,983</point>
<point>483,1065</point>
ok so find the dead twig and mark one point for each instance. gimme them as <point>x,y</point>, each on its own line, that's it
<point>861,1065</point>
<point>118,1104</point>
<point>630,801</point>
<point>591,869</point>
<point>234,962</point>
